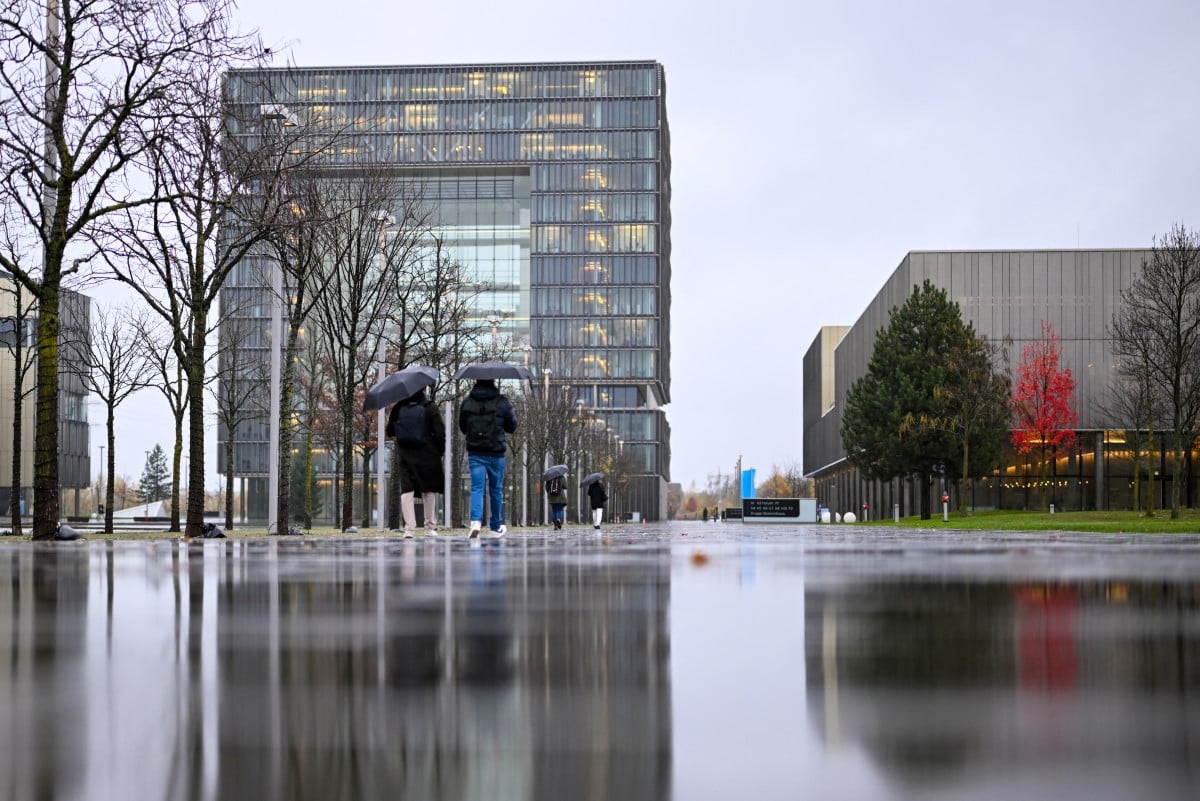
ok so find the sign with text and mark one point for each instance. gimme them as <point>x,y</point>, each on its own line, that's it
<point>779,510</point>
<point>732,513</point>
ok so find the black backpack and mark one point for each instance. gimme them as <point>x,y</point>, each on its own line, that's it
<point>409,426</point>
<point>482,426</point>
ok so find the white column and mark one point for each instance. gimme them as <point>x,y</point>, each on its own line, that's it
<point>446,455</point>
<point>380,449</point>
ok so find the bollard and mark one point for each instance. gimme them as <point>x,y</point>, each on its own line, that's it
<point>896,511</point>
<point>1051,508</point>
<point>945,508</point>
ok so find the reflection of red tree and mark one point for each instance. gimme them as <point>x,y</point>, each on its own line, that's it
<point>1045,635</point>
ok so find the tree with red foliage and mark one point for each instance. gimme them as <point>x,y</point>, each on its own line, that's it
<point>1043,402</point>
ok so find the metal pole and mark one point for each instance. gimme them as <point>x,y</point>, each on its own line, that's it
<point>385,220</point>
<point>446,452</point>
<point>273,443</point>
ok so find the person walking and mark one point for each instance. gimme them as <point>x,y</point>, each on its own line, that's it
<point>597,496</point>
<point>484,418</point>
<point>704,514</point>
<point>556,496</point>
<point>420,437</point>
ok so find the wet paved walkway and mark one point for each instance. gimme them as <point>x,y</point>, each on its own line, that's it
<point>689,661</point>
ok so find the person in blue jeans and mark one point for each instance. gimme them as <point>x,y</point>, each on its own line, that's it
<point>484,418</point>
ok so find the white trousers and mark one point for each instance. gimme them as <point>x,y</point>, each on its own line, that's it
<point>408,508</point>
<point>597,516</point>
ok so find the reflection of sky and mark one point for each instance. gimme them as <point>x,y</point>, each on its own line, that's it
<point>740,726</point>
<point>135,679</point>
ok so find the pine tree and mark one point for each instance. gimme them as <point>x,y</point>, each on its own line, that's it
<point>156,477</point>
<point>902,416</point>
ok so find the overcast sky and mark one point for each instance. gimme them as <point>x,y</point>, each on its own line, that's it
<point>813,144</point>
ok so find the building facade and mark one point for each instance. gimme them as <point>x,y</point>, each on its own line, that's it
<point>18,326</point>
<point>1004,294</point>
<point>551,184</point>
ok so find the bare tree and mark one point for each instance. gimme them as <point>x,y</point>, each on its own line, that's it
<point>86,86</point>
<point>236,390</point>
<point>367,256</point>
<point>171,380</point>
<point>116,364</point>
<point>1157,327</point>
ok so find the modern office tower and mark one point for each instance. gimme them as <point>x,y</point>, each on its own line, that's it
<point>551,184</point>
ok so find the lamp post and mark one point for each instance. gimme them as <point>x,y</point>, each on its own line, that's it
<point>385,221</point>
<point>275,117</point>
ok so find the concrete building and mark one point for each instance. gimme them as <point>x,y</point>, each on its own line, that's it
<point>1003,294</point>
<point>18,323</point>
<point>551,184</point>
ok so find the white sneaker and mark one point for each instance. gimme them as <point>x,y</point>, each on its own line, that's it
<point>409,533</point>
<point>430,530</point>
<point>475,526</point>
<point>498,533</point>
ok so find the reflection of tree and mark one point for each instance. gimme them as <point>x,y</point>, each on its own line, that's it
<point>940,680</point>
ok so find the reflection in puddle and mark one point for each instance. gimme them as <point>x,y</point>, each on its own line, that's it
<point>352,670</point>
<point>787,664</point>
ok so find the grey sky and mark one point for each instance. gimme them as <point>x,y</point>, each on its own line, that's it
<point>815,143</point>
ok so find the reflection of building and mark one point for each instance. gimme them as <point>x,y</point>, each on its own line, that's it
<point>74,462</point>
<point>551,183</point>
<point>1003,294</point>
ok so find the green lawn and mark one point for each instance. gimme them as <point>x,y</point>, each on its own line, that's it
<point>1121,522</point>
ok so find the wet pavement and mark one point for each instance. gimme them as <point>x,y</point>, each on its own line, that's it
<point>684,661</point>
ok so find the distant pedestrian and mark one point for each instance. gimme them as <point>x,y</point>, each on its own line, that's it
<point>704,514</point>
<point>420,437</point>
<point>484,417</point>
<point>597,496</point>
<point>556,496</point>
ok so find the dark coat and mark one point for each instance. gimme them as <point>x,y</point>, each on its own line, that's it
<point>559,497</point>
<point>421,468</point>
<point>504,415</point>
<point>597,495</point>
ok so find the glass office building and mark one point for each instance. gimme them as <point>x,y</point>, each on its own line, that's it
<point>551,184</point>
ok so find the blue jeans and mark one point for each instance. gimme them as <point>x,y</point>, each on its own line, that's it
<point>558,511</point>
<point>491,469</point>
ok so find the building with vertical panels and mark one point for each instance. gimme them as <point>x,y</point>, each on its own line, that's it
<point>1004,294</point>
<point>18,325</point>
<point>552,186</point>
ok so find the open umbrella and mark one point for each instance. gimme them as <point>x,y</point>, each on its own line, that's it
<point>556,471</point>
<point>399,385</point>
<point>493,370</point>
<point>591,478</point>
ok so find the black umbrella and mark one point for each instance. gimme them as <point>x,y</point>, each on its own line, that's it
<point>557,471</point>
<point>493,370</point>
<point>398,386</point>
<point>591,478</point>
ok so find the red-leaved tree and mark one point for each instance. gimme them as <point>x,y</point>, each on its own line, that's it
<point>1043,402</point>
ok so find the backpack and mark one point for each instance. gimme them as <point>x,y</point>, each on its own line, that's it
<point>409,426</point>
<point>482,428</point>
<point>554,485</point>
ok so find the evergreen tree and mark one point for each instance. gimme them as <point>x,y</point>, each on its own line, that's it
<point>156,477</point>
<point>902,416</point>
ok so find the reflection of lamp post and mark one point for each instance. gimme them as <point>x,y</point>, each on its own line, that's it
<point>277,117</point>
<point>494,320</point>
<point>385,221</point>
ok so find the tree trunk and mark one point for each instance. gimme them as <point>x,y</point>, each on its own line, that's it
<point>195,372</point>
<point>109,490</point>
<point>229,440</point>
<point>347,467</point>
<point>176,458</point>
<point>308,477</point>
<point>45,459</point>
<point>14,503</point>
<point>287,379</point>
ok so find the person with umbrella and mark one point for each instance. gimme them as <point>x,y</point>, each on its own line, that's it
<point>597,496</point>
<point>420,437</point>
<point>484,417</point>
<point>556,493</point>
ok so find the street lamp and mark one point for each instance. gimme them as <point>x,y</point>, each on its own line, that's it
<point>276,116</point>
<point>385,221</point>
<point>494,320</point>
